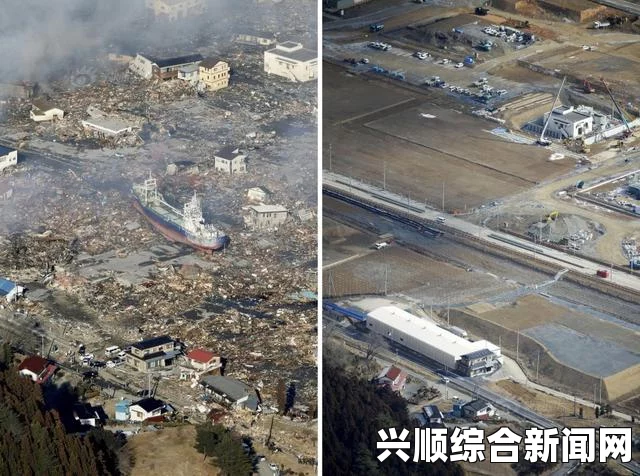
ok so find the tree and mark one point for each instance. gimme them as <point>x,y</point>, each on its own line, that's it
<point>374,342</point>
<point>281,396</point>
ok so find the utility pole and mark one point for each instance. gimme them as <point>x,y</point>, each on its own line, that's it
<point>517,344</point>
<point>330,156</point>
<point>448,306</point>
<point>443,196</point>
<point>538,366</point>
<point>386,279</point>
<point>384,176</point>
<point>600,397</point>
<point>595,386</point>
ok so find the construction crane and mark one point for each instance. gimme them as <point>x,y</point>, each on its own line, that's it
<point>542,140</point>
<point>615,103</point>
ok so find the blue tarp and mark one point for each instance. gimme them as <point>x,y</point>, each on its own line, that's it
<point>6,286</point>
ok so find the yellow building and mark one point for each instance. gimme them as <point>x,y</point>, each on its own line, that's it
<point>175,9</point>
<point>214,74</point>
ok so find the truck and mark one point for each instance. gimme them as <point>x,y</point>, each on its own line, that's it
<point>601,24</point>
<point>603,273</point>
<point>376,27</point>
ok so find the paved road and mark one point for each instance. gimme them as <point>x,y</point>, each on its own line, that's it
<point>621,5</point>
<point>418,210</point>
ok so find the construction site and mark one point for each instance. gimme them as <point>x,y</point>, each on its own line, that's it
<point>102,267</point>
<point>480,166</point>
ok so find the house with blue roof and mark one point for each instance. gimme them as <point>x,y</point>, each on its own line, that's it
<point>10,290</point>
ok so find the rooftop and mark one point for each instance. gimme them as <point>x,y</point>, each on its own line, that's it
<point>149,404</point>
<point>6,286</point>
<point>42,105</point>
<point>234,389</point>
<point>478,354</point>
<point>201,355</point>
<point>427,331</point>
<point>229,152</point>
<point>476,405</point>
<point>34,363</point>
<point>176,61</point>
<point>269,209</point>
<point>111,125</point>
<point>210,62</point>
<point>5,150</point>
<point>152,342</point>
<point>392,372</point>
<point>300,54</point>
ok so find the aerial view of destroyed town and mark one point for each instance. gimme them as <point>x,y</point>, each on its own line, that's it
<point>481,230</point>
<point>158,229</point>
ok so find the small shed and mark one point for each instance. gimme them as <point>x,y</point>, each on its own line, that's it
<point>122,410</point>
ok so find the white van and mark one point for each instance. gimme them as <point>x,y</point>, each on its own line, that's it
<point>112,350</point>
<point>440,219</point>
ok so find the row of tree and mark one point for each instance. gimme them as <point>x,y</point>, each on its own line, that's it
<point>35,441</point>
<point>217,442</point>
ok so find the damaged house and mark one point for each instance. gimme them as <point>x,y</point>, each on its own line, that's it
<point>231,392</point>
<point>104,127</point>
<point>254,39</point>
<point>258,194</point>
<point>8,157</point>
<point>37,368</point>
<point>198,362</point>
<point>292,61</point>
<point>162,68</point>
<point>43,111</point>
<point>230,161</point>
<point>266,216</point>
<point>10,290</point>
<point>154,353</point>
<point>214,74</point>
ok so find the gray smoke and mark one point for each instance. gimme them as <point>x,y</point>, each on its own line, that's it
<point>41,38</point>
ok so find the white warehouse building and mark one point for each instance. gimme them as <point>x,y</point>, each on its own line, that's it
<point>569,123</point>
<point>432,341</point>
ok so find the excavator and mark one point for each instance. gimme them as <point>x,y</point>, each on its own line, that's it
<point>553,216</point>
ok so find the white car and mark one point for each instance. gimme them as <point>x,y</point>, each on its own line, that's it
<point>459,65</point>
<point>444,61</point>
<point>110,364</point>
<point>382,244</point>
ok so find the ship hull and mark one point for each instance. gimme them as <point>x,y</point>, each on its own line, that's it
<point>172,233</point>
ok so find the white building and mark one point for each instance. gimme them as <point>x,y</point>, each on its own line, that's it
<point>424,337</point>
<point>148,408</point>
<point>290,60</point>
<point>569,123</point>
<point>189,73</point>
<point>43,111</point>
<point>8,157</point>
<point>229,160</point>
<point>107,127</point>
<point>267,216</point>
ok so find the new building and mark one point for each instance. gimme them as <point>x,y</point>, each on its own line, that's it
<point>148,408</point>
<point>478,410</point>
<point>478,362</point>
<point>569,123</point>
<point>392,377</point>
<point>9,290</point>
<point>43,111</point>
<point>176,9</point>
<point>266,216</point>
<point>107,127</point>
<point>231,392</point>
<point>8,157</point>
<point>425,337</point>
<point>152,354</point>
<point>213,74</point>
<point>162,68</point>
<point>37,368</point>
<point>292,61</point>
<point>230,161</point>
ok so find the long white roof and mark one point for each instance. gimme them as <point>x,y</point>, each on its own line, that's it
<point>427,332</point>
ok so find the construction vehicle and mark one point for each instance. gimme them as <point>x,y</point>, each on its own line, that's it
<point>587,88</point>
<point>376,27</point>
<point>552,216</point>
<point>481,11</point>
<point>628,132</point>
<point>542,140</point>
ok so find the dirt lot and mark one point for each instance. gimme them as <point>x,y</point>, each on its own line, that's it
<point>423,153</point>
<point>168,452</point>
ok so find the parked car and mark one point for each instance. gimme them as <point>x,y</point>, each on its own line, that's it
<point>97,364</point>
<point>459,65</point>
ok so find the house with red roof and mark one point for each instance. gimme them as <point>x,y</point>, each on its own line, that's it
<point>199,361</point>
<point>37,368</point>
<point>393,377</point>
